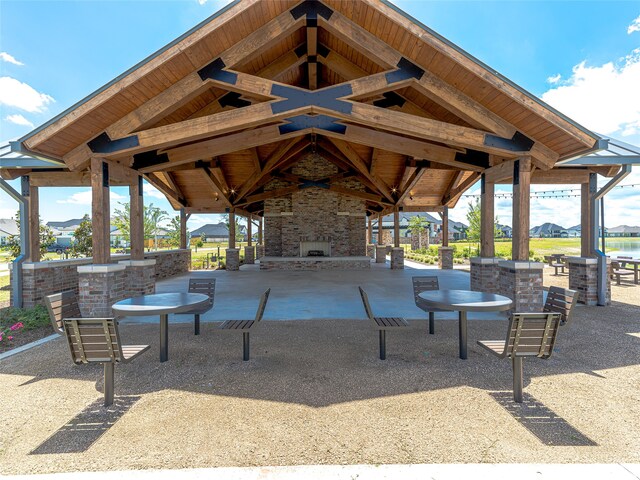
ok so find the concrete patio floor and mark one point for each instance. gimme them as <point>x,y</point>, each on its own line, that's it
<point>315,393</point>
<point>327,294</point>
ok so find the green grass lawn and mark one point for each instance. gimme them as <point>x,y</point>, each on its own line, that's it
<point>5,289</point>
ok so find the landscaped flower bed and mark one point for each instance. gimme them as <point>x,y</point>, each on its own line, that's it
<point>21,326</point>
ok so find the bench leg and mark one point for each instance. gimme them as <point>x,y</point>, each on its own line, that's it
<point>245,346</point>
<point>432,323</point>
<point>517,379</point>
<point>108,383</point>
<point>618,279</point>
<point>383,345</point>
<point>196,324</point>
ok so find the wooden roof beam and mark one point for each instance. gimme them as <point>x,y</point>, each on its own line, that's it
<point>361,167</point>
<point>215,186</point>
<point>411,183</point>
<point>452,197</point>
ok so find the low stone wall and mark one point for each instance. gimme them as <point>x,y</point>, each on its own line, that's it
<point>170,262</point>
<point>249,255</point>
<point>233,259</point>
<point>317,263</point>
<point>521,281</point>
<point>46,278</point>
<point>485,274</point>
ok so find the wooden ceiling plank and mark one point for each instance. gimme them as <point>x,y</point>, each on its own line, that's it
<point>361,166</point>
<point>215,186</point>
<point>269,164</point>
<point>411,183</point>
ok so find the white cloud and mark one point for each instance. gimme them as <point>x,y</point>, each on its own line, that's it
<point>151,191</point>
<point>554,78</point>
<point>14,93</point>
<point>5,57</point>
<point>84,198</point>
<point>635,26</point>
<point>603,98</point>
<point>19,120</point>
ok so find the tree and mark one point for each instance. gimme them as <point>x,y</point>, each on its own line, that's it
<point>474,217</point>
<point>417,226</point>
<point>82,239</point>
<point>152,216</point>
<point>238,230</point>
<point>46,238</point>
<point>174,231</point>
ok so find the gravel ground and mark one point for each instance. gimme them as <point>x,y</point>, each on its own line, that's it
<point>315,392</point>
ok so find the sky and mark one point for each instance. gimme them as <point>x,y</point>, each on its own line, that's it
<point>583,58</point>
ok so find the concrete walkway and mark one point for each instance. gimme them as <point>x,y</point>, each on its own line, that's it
<point>307,295</point>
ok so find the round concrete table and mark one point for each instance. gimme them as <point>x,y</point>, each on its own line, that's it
<point>464,301</point>
<point>161,304</point>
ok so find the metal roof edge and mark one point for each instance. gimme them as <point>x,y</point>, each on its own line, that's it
<point>489,69</point>
<point>129,71</point>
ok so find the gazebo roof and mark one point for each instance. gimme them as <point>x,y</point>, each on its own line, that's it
<point>236,101</point>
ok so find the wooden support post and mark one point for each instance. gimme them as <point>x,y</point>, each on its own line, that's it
<point>396,227</point>
<point>183,229</point>
<point>380,229</point>
<point>370,231</point>
<point>260,231</point>
<point>232,228</point>
<point>136,219</point>
<point>487,218</point>
<point>445,226</point>
<point>33,212</point>
<point>587,241</point>
<point>249,233</point>
<point>100,210</point>
<point>521,208</point>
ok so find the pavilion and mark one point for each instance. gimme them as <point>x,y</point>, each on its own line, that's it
<point>308,117</point>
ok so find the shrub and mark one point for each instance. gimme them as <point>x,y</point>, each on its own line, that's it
<point>15,320</point>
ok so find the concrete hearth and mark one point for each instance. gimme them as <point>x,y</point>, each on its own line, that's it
<point>315,263</point>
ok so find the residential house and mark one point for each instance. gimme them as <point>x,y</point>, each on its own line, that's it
<point>505,230</point>
<point>8,228</point>
<point>623,231</point>
<point>215,232</point>
<point>548,230</point>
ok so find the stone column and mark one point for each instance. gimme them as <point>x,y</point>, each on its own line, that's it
<point>140,276</point>
<point>371,250</point>
<point>583,278</point>
<point>249,255</point>
<point>381,253</point>
<point>397,258</point>
<point>233,259</point>
<point>485,274</point>
<point>259,251</point>
<point>521,281</point>
<point>445,258</point>
<point>100,286</point>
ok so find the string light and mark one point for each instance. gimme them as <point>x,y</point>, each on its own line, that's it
<point>559,193</point>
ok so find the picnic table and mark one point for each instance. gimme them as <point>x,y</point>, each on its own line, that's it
<point>635,264</point>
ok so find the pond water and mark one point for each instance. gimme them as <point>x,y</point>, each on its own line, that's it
<point>628,247</point>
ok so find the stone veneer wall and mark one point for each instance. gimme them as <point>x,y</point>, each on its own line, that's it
<point>522,282</point>
<point>445,258</point>
<point>314,214</point>
<point>485,274</point>
<point>46,278</point>
<point>397,258</point>
<point>420,241</point>
<point>100,286</point>
<point>583,278</point>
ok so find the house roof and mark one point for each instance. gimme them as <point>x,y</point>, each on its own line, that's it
<point>212,230</point>
<point>9,226</point>
<point>75,222</point>
<point>242,96</point>
<point>624,229</point>
<point>546,229</point>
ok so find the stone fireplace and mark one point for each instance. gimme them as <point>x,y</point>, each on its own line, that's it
<point>315,223</point>
<point>315,248</point>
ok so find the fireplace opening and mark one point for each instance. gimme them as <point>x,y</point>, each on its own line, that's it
<point>316,248</point>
